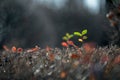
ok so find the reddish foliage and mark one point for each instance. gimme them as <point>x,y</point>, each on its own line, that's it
<point>75,56</point>
<point>89,47</point>
<point>64,44</point>
<point>5,48</point>
<point>19,50</point>
<point>33,49</point>
<point>14,49</point>
<point>63,74</point>
<point>51,57</point>
<point>110,15</point>
<point>70,42</point>
<point>117,60</point>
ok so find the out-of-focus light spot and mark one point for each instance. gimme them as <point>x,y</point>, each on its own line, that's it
<point>92,5</point>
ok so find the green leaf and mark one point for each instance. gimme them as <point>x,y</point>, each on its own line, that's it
<point>67,34</point>
<point>71,36</point>
<point>77,34</point>
<point>85,37</point>
<point>84,32</point>
<point>65,38</point>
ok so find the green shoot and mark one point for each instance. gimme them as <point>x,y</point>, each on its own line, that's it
<point>67,36</point>
<point>85,37</point>
<point>84,32</point>
<point>77,34</point>
<point>82,36</point>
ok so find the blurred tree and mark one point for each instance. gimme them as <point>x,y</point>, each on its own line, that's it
<point>32,24</point>
<point>24,24</point>
<point>10,14</point>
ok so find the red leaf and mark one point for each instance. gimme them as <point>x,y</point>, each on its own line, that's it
<point>64,44</point>
<point>75,56</point>
<point>5,47</point>
<point>14,49</point>
<point>63,74</point>
<point>70,42</point>
<point>117,60</point>
<point>51,57</point>
<point>89,47</point>
<point>19,50</point>
<point>33,49</point>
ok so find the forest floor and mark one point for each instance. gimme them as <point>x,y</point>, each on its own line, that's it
<point>102,63</point>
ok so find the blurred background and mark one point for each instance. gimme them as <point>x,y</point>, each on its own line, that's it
<point>26,23</point>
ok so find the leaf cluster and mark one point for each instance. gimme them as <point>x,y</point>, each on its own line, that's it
<point>82,35</point>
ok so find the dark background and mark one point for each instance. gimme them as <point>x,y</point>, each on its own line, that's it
<point>26,23</point>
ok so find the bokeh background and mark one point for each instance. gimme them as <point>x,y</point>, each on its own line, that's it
<point>26,23</point>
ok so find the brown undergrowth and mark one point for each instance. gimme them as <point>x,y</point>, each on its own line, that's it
<point>84,63</point>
